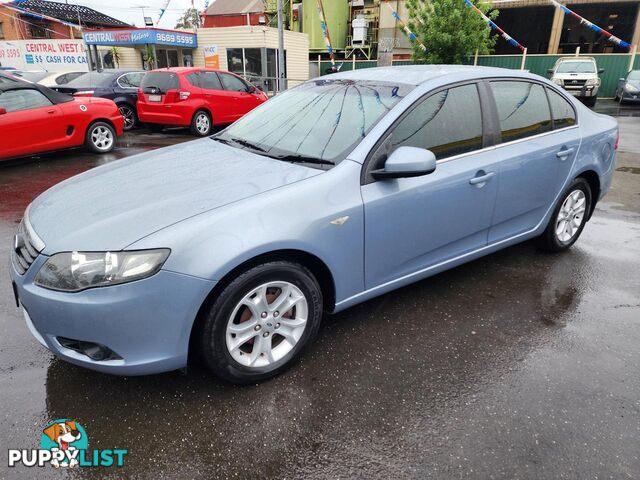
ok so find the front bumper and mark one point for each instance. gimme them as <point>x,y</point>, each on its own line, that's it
<point>147,322</point>
<point>582,92</point>
<point>631,97</point>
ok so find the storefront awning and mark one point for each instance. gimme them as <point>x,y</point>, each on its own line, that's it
<point>141,36</point>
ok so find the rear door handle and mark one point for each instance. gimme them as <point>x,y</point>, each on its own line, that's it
<point>51,111</point>
<point>477,180</point>
<point>563,154</point>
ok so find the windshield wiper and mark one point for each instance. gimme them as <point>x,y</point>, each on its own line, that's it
<point>248,144</point>
<point>302,159</point>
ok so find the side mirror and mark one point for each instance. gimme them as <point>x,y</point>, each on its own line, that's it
<point>601,70</point>
<point>621,79</point>
<point>3,110</point>
<point>407,162</point>
<point>550,71</point>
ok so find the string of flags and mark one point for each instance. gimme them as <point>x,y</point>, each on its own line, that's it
<point>405,28</point>
<point>583,21</point>
<point>491,23</point>
<point>325,32</point>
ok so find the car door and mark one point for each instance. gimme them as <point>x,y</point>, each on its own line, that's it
<point>535,156</point>
<point>219,101</point>
<point>244,98</point>
<point>31,124</point>
<point>412,224</point>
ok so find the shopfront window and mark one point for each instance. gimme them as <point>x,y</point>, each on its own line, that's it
<point>257,65</point>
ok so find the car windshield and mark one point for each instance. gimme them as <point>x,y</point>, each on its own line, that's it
<point>634,75</point>
<point>90,79</point>
<point>576,67</point>
<point>318,122</point>
<point>33,76</point>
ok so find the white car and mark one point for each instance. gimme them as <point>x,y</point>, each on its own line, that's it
<point>48,79</point>
<point>579,77</point>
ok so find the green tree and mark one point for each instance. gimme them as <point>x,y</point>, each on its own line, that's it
<point>190,19</point>
<point>451,31</point>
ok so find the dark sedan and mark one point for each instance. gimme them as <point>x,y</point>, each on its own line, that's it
<point>628,89</point>
<point>121,86</point>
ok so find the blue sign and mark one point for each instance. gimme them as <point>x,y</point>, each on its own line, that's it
<point>141,36</point>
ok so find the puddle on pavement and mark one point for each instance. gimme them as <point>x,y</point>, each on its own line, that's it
<point>635,170</point>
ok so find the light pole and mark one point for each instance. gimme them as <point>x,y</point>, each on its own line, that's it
<point>281,66</point>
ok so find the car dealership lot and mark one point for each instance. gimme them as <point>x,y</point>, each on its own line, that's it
<point>518,365</point>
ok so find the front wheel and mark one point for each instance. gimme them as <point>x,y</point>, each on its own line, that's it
<point>261,322</point>
<point>569,217</point>
<point>100,137</point>
<point>590,101</point>
<point>201,124</point>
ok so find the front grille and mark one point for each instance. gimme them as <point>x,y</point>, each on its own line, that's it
<point>574,83</point>
<point>26,253</point>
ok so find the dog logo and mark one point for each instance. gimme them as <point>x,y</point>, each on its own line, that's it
<point>67,437</point>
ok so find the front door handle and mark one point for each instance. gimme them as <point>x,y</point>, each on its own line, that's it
<point>481,178</point>
<point>564,153</point>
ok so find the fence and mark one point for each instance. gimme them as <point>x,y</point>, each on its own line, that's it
<point>615,65</point>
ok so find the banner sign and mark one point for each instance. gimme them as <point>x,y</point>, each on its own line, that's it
<point>50,55</point>
<point>211,56</point>
<point>141,36</point>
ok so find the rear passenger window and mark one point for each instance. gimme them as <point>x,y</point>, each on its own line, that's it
<point>447,123</point>
<point>210,81</point>
<point>523,109</point>
<point>194,79</point>
<point>561,110</point>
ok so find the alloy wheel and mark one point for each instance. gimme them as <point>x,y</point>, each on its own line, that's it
<point>128,115</point>
<point>570,216</point>
<point>267,324</point>
<point>202,123</point>
<point>102,137</point>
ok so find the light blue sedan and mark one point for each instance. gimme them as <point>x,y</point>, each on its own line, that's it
<point>336,191</point>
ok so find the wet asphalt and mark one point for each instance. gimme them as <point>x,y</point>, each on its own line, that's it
<point>522,364</point>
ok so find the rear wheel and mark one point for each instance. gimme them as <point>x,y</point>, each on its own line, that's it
<point>261,322</point>
<point>569,217</point>
<point>201,124</point>
<point>100,137</point>
<point>129,115</point>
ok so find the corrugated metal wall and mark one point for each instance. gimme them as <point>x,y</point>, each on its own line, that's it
<point>615,66</point>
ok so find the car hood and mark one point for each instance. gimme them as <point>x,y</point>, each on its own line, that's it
<point>633,83</point>
<point>112,206</point>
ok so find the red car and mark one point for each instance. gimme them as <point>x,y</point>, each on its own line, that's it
<point>195,97</point>
<point>36,119</point>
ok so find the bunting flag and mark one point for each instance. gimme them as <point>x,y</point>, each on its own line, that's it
<point>325,32</point>
<point>204,11</point>
<point>38,16</point>
<point>490,22</point>
<point>162,10</point>
<point>405,28</point>
<point>583,21</point>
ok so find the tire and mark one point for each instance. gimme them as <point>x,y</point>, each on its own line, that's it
<point>130,116</point>
<point>201,124</point>
<point>554,238</point>
<point>100,137</point>
<point>236,359</point>
<point>590,101</point>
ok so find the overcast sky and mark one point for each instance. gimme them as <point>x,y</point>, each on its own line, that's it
<point>129,11</point>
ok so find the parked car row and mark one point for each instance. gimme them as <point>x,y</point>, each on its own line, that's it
<point>96,107</point>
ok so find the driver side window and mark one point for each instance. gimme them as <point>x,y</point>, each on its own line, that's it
<point>448,123</point>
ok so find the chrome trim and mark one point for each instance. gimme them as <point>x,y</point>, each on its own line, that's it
<point>505,144</point>
<point>36,241</point>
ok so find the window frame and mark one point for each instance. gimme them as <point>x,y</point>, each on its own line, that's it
<point>488,126</point>
<point>217,75</point>
<point>237,77</point>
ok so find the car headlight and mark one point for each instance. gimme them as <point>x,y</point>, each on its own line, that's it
<point>557,81</point>
<point>592,81</point>
<point>75,271</point>
<point>630,88</point>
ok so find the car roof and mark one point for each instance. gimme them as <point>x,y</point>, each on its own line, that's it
<point>418,74</point>
<point>54,96</point>
<point>188,70</point>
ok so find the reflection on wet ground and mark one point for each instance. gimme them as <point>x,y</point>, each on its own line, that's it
<point>518,365</point>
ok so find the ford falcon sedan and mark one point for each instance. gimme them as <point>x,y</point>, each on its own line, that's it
<point>343,188</point>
